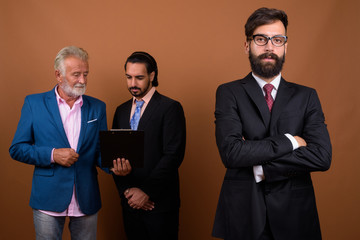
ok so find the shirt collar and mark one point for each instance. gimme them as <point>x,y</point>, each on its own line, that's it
<point>148,96</point>
<point>275,82</point>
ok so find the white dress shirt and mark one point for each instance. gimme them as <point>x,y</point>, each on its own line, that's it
<point>258,170</point>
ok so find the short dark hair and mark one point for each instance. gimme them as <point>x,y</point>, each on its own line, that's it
<point>148,60</point>
<point>264,16</point>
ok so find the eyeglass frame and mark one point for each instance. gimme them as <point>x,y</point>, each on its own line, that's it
<point>269,38</point>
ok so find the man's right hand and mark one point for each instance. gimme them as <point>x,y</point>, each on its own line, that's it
<point>137,199</point>
<point>301,141</point>
<point>65,156</point>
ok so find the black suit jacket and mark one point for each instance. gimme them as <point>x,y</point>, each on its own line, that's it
<point>247,134</point>
<point>163,123</point>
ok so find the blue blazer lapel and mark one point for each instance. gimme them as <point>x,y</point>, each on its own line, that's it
<point>255,93</point>
<point>84,122</point>
<point>53,108</point>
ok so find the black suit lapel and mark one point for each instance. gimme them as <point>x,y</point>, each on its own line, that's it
<point>255,93</point>
<point>282,98</point>
<point>150,109</point>
<point>125,118</point>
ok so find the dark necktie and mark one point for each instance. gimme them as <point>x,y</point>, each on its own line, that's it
<point>134,122</point>
<point>268,98</point>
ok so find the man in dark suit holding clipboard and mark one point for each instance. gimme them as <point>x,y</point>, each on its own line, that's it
<point>150,195</point>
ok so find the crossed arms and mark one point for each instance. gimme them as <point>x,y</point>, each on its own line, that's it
<point>273,151</point>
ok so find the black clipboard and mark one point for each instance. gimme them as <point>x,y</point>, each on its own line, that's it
<point>122,143</point>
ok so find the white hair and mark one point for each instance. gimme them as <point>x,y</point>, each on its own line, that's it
<point>68,52</point>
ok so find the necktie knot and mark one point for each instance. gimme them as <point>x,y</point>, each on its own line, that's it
<point>139,104</point>
<point>268,88</point>
<point>134,122</point>
<point>268,98</point>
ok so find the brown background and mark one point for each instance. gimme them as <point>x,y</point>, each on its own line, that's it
<point>198,45</point>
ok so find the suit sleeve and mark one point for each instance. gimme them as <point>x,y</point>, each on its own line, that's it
<point>235,151</point>
<point>173,137</point>
<point>23,147</point>
<point>316,156</point>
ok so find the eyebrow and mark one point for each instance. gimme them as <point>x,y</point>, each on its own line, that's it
<point>128,75</point>
<point>80,72</point>
<point>262,34</point>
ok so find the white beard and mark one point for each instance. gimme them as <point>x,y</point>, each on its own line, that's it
<point>76,91</point>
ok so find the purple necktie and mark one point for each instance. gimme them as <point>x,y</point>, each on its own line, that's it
<point>268,98</point>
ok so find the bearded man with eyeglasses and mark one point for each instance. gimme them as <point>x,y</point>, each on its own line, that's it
<point>271,135</point>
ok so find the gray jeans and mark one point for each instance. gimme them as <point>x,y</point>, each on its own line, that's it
<point>51,228</point>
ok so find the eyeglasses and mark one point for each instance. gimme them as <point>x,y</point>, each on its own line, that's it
<point>262,40</point>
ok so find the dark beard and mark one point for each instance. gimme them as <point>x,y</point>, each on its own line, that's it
<point>141,93</point>
<point>266,70</point>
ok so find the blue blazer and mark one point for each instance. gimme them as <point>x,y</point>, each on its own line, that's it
<point>40,129</point>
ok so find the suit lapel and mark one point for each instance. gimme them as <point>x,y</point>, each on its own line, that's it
<point>84,121</point>
<point>282,98</point>
<point>255,93</point>
<point>125,115</point>
<point>53,109</point>
<point>150,109</point>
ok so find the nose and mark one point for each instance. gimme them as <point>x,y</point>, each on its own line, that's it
<point>82,79</point>
<point>269,47</point>
<point>132,82</point>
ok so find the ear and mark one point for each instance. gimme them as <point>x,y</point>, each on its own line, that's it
<point>285,50</point>
<point>58,75</point>
<point>152,75</point>
<point>247,47</point>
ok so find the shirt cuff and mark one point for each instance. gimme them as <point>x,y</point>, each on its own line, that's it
<point>52,156</point>
<point>258,173</point>
<point>294,143</point>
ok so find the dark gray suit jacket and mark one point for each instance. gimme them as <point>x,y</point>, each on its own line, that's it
<point>247,134</point>
<point>163,123</point>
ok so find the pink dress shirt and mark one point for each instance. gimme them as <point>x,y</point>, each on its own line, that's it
<point>146,100</point>
<point>71,119</point>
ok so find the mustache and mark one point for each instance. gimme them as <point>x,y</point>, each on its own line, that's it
<point>268,55</point>
<point>134,88</point>
<point>80,85</point>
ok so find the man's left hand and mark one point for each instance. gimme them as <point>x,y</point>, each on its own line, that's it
<point>121,167</point>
